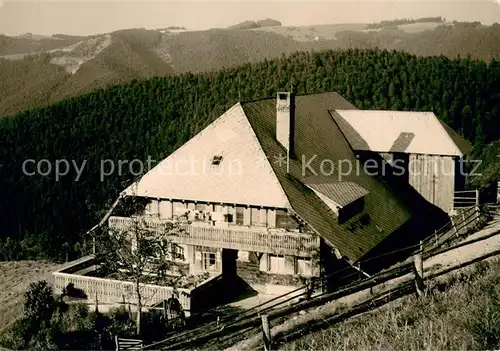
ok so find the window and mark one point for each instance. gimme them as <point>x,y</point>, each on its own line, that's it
<point>177,252</point>
<point>216,160</point>
<point>179,209</point>
<point>351,210</point>
<point>200,207</point>
<point>239,215</point>
<point>255,217</point>
<point>283,96</point>
<point>209,261</point>
<point>258,217</point>
<point>146,247</point>
<point>276,263</point>
<point>243,256</point>
<point>283,220</point>
<point>304,266</point>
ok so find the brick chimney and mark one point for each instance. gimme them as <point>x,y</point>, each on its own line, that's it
<point>285,120</point>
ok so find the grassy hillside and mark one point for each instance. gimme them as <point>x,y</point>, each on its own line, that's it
<point>121,56</point>
<point>21,45</point>
<point>45,217</point>
<point>461,315</point>
<point>15,278</point>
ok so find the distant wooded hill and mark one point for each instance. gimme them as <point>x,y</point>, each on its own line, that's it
<point>42,217</point>
<point>398,22</point>
<point>36,71</point>
<point>256,24</point>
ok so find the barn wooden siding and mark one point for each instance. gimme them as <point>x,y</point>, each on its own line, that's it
<point>433,177</point>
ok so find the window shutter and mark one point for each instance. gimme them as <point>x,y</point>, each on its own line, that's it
<point>263,263</point>
<point>263,217</point>
<point>218,260</point>
<point>289,265</point>
<point>198,260</point>
<point>271,218</point>
<point>247,214</point>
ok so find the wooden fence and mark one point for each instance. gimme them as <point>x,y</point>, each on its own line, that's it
<point>465,220</point>
<point>194,339</point>
<point>128,344</point>
<point>241,322</point>
<point>465,198</point>
<point>113,291</point>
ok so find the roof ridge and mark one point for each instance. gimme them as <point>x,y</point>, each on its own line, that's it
<point>340,129</point>
<point>295,94</point>
<point>259,142</point>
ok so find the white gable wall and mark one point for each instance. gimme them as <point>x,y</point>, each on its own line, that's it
<point>244,175</point>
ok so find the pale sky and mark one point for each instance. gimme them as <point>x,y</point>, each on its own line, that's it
<point>94,16</point>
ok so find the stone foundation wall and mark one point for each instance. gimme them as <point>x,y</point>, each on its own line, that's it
<point>251,273</point>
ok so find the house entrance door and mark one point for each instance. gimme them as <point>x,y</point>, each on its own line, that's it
<point>229,257</point>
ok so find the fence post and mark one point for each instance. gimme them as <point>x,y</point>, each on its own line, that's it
<point>464,221</point>
<point>454,226</point>
<point>96,303</point>
<point>266,333</point>
<point>498,192</point>
<point>478,213</point>
<point>117,343</point>
<point>418,269</point>
<point>422,258</point>
<point>165,309</point>
<point>124,303</point>
<point>309,289</point>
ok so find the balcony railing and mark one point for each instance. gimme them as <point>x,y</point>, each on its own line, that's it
<point>231,237</point>
<point>112,290</point>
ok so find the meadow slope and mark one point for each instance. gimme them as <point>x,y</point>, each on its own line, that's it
<point>462,314</point>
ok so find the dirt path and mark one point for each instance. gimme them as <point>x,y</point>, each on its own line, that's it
<point>466,253</point>
<point>15,278</point>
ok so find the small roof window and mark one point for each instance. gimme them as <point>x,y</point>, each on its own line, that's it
<point>216,160</point>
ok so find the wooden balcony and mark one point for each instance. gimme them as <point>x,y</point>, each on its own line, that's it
<point>114,292</point>
<point>232,237</point>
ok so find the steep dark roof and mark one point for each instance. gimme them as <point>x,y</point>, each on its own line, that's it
<point>318,138</point>
<point>464,145</point>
